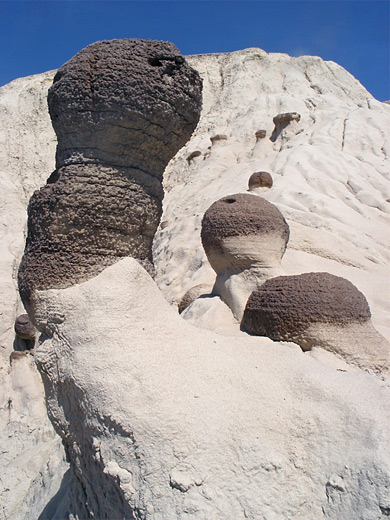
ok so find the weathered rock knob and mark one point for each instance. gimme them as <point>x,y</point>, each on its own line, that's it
<point>244,237</point>
<point>24,328</point>
<point>318,309</point>
<point>121,110</point>
<point>243,231</point>
<point>260,180</point>
<point>286,118</point>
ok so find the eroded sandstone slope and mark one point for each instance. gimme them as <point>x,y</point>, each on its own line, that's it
<point>180,421</point>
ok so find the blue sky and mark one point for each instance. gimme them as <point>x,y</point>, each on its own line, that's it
<point>36,36</point>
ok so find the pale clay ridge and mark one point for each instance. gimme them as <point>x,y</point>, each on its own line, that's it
<point>332,175</point>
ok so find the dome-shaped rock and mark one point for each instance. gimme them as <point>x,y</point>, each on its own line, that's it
<point>318,309</point>
<point>285,306</point>
<point>260,180</point>
<point>126,102</point>
<point>243,231</point>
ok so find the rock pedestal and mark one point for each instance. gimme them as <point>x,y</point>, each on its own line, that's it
<point>121,109</point>
<point>244,237</point>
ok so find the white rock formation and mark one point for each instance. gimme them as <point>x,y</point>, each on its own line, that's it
<point>175,422</point>
<point>331,178</point>
<point>179,422</point>
<point>32,457</point>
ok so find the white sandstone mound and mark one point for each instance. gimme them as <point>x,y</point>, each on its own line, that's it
<point>173,421</point>
<point>177,421</point>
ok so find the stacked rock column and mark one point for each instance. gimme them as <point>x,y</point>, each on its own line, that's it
<point>121,110</point>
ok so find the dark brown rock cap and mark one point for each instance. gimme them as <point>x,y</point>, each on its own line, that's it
<point>24,327</point>
<point>285,306</point>
<point>260,134</point>
<point>286,117</point>
<point>120,101</point>
<point>260,180</point>
<point>241,214</point>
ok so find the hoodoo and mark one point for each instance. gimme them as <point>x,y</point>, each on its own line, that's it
<point>244,237</point>
<point>121,109</point>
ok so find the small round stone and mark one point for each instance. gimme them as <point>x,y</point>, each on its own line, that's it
<point>260,134</point>
<point>260,180</point>
<point>24,328</point>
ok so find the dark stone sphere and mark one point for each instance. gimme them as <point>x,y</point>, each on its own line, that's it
<point>285,306</point>
<point>240,215</point>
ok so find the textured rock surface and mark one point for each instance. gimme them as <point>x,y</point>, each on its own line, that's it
<point>310,438</point>
<point>260,180</point>
<point>330,174</point>
<point>178,421</point>
<point>121,109</point>
<point>237,219</point>
<point>244,237</point>
<point>24,328</point>
<point>318,309</point>
<point>287,305</point>
<point>133,102</point>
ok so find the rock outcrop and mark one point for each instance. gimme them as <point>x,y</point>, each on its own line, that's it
<point>121,109</point>
<point>283,123</point>
<point>177,421</point>
<point>169,419</point>
<point>286,118</point>
<point>318,309</point>
<point>260,134</point>
<point>244,237</point>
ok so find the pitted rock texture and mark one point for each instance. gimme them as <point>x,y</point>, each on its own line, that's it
<point>285,306</point>
<point>131,103</point>
<point>260,180</point>
<point>241,216</point>
<point>24,328</point>
<point>91,216</point>
<point>121,109</point>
